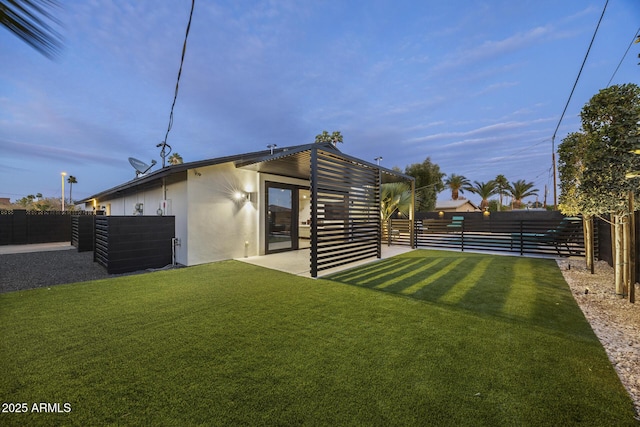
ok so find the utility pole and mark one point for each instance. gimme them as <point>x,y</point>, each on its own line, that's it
<point>553,160</point>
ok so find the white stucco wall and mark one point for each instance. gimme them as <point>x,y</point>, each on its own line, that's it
<point>177,205</point>
<point>220,226</point>
<point>150,200</point>
<point>211,224</point>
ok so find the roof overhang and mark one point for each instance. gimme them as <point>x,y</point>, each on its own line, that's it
<point>297,164</point>
<point>292,162</point>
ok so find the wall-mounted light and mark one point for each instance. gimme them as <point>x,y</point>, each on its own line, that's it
<point>244,196</point>
<point>241,196</point>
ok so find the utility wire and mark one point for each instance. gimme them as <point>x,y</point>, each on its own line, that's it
<point>580,72</point>
<point>635,37</point>
<point>553,138</point>
<point>175,96</point>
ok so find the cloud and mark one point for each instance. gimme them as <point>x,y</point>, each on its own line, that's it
<point>485,130</point>
<point>14,149</point>
<point>491,49</point>
<point>495,87</point>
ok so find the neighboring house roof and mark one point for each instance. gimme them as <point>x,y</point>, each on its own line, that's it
<point>291,161</point>
<point>454,204</point>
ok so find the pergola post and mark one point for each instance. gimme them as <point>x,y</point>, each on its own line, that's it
<point>313,232</point>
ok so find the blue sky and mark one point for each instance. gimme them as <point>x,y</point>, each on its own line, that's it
<point>477,86</point>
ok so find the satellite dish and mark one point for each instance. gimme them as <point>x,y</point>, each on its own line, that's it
<point>140,166</point>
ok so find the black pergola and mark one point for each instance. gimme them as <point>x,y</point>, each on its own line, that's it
<point>345,200</point>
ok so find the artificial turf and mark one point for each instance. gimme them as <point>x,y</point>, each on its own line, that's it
<point>426,338</point>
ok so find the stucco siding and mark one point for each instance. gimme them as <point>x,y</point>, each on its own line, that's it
<point>126,205</point>
<point>220,225</point>
<point>177,205</point>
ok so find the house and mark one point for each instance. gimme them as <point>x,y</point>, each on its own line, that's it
<point>456,206</point>
<point>263,202</point>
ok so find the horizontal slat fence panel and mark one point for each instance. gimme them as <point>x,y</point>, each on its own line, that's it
<point>22,227</point>
<point>562,237</point>
<point>131,243</point>
<point>82,227</point>
<point>345,200</point>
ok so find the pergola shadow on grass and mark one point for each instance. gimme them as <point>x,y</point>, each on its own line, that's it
<point>475,340</point>
<point>525,290</point>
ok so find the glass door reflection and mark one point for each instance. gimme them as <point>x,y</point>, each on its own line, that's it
<point>280,219</point>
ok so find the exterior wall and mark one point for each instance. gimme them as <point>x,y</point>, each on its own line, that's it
<point>464,207</point>
<point>177,205</point>
<point>221,226</point>
<point>125,205</point>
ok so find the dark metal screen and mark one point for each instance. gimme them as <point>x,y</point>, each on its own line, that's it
<point>345,211</point>
<point>21,227</point>
<point>82,232</point>
<point>131,243</point>
<point>563,237</point>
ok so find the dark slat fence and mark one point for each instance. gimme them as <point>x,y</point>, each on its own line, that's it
<point>82,227</point>
<point>552,237</point>
<point>22,227</point>
<point>345,216</point>
<point>130,243</point>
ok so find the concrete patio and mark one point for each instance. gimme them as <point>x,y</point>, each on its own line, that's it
<point>298,262</point>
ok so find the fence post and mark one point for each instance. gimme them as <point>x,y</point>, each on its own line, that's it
<point>521,237</point>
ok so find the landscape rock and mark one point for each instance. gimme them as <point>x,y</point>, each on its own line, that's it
<point>615,321</point>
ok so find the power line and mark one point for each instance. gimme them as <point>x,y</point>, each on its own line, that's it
<point>164,144</point>
<point>635,37</point>
<point>579,73</point>
<point>553,138</point>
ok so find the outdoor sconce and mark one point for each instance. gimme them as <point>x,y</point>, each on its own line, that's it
<point>486,213</point>
<point>241,196</point>
<point>441,214</point>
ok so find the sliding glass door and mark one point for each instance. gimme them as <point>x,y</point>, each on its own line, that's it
<point>282,217</point>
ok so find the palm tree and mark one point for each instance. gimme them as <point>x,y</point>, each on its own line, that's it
<point>175,159</point>
<point>394,197</point>
<point>457,184</point>
<point>334,138</point>
<point>484,190</point>
<point>521,189</point>
<point>71,180</point>
<point>502,185</point>
<point>27,19</point>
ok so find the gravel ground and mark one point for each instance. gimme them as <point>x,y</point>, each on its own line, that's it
<point>615,321</point>
<point>42,269</point>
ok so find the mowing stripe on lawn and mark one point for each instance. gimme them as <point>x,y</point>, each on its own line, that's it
<point>521,297</point>
<point>456,293</point>
<point>407,273</point>
<point>415,288</point>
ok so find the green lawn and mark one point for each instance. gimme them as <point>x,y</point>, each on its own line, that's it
<point>426,338</point>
